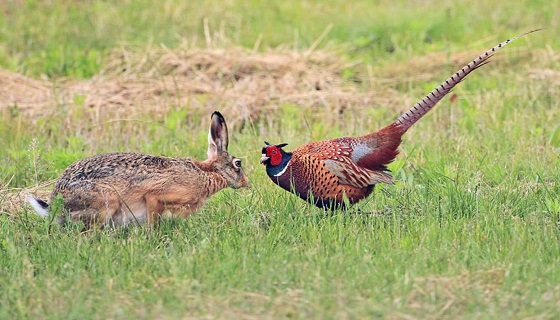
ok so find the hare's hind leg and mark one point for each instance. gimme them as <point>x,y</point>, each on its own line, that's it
<point>93,210</point>
<point>88,216</point>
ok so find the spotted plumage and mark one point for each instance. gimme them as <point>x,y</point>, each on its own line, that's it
<point>334,172</point>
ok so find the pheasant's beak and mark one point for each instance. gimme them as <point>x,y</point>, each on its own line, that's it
<point>264,159</point>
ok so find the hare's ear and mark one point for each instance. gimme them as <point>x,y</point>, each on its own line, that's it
<point>218,135</point>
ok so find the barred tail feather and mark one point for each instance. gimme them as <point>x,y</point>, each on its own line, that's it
<point>40,206</point>
<point>410,117</point>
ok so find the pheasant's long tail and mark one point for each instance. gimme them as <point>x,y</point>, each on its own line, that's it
<point>410,117</point>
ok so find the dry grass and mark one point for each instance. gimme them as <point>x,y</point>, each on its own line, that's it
<point>550,76</point>
<point>236,80</point>
<point>449,292</point>
<point>12,201</point>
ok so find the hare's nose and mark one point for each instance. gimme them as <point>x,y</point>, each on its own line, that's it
<point>246,183</point>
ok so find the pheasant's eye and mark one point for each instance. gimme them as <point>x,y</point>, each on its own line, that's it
<point>237,163</point>
<point>273,151</point>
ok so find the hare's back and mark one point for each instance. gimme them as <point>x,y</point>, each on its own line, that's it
<point>119,168</point>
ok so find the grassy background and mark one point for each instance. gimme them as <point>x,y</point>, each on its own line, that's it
<point>469,230</point>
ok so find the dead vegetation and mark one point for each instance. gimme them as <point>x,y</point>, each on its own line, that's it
<point>13,200</point>
<point>449,292</point>
<point>236,80</point>
<point>239,81</point>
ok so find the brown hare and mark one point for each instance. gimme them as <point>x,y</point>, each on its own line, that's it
<point>117,189</point>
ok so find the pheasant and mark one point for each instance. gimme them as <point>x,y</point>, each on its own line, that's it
<point>333,173</point>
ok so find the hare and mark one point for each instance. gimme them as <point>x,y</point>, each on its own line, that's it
<point>117,189</point>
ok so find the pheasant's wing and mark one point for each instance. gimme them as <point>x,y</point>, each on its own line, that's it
<point>350,173</point>
<point>336,156</point>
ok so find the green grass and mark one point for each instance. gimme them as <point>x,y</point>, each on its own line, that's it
<point>469,230</point>
<point>71,38</point>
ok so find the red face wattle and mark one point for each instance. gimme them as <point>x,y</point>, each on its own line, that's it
<point>273,152</point>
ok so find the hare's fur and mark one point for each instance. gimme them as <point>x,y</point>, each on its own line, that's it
<point>123,188</point>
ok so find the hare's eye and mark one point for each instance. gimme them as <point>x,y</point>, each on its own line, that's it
<point>237,163</point>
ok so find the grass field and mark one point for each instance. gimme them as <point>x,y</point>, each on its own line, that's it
<point>470,229</point>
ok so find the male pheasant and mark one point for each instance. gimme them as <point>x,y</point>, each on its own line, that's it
<point>326,172</point>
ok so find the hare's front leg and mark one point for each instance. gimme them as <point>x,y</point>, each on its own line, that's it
<point>181,211</point>
<point>154,207</point>
<point>182,203</point>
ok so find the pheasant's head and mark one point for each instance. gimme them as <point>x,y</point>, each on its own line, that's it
<point>273,155</point>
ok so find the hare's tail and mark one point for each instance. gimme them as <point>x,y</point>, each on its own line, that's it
<point>39,205</point>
